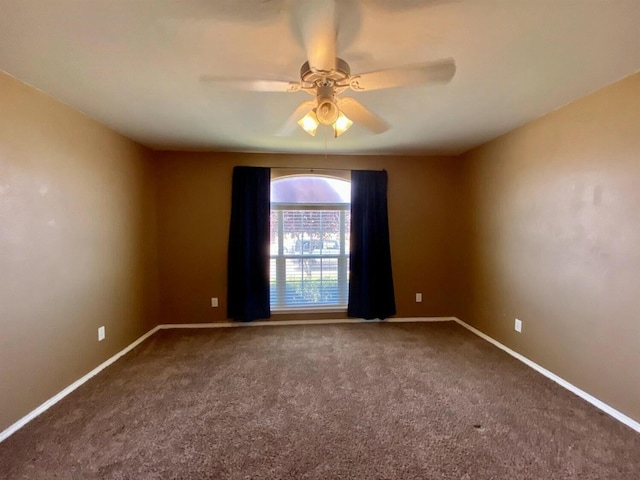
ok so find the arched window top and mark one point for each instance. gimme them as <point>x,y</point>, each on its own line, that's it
<point>310,189</point>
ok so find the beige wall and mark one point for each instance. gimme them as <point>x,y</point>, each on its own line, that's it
<point>194,198</point>
<point>76,246</point>
<point>555,241</point>
<point>542,224</point>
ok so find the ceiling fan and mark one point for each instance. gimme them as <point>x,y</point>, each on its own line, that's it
<point>325,77</point>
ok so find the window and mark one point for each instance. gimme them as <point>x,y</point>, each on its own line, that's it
<point>310,217</point>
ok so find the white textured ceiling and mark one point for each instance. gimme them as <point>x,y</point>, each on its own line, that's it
<point>135,66</point>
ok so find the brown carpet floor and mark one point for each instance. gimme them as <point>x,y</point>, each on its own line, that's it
<point>363,401</point>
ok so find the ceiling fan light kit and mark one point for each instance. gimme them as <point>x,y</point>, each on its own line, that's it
<point>326,111</point>
<point>309,123</point>
<point>342,124</point>
<point>325,76</point>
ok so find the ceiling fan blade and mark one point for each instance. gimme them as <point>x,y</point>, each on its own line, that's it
<point>253,85</point>
<point>359,114</point>
<point>317,22</point>
<point>440,71</point>
<point>291,124</point>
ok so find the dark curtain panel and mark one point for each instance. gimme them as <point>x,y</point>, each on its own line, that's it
<point>248,260</point>
<point>370,280</point>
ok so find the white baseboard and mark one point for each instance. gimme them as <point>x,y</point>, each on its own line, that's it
<point>56,398</point>
<point>328,321</point>
<point>621,417</point>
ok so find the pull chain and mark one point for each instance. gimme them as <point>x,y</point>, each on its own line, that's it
<point>325,144</point>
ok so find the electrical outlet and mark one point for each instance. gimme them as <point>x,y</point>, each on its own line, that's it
<point>101,334</point>
<point>418,297</point>
<point>518,325</point>
<point>214,302</point>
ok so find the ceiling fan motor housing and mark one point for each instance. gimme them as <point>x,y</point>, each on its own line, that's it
<point>340,75</point>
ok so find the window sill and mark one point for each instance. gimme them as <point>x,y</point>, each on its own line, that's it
<point>298,311</point>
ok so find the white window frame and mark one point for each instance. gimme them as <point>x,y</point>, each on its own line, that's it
<point>281,258</point>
